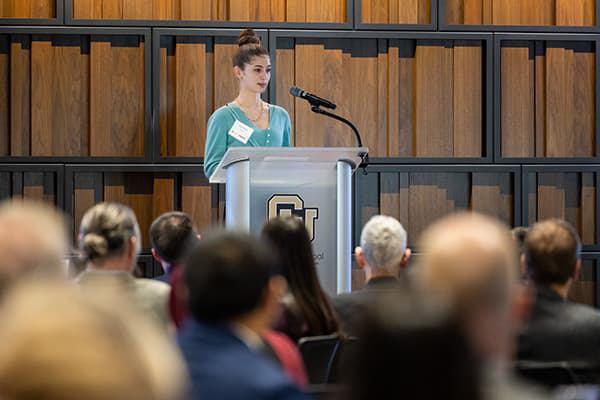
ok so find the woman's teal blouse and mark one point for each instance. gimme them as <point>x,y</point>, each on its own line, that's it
<point>218,139</point>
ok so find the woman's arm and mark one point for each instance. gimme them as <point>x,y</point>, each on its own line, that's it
<point>216,142</point>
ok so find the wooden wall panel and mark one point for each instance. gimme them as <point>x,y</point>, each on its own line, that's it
<point>59,97</point>
<point>548,94</point>
<point>411,12</point>
<point>196,78</point>
<point>27,8</point>
<point>117,100</point>
<point>521,12</point>
<point>418,198</point>
<point>566,195</point>
<point>310,11</point>
<point>20,97</point>
<point>4,95</point>
<point>583,289</point>
<point>196,200</point>
<point>418,98</point>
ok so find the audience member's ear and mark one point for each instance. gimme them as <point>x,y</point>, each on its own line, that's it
<point>360,257</point>
<point>405,258</point>
<point>577,269</point>
<point>156,256</point>
<point>131,251</point>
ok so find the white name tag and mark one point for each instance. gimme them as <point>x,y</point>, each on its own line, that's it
<point>241,132</point>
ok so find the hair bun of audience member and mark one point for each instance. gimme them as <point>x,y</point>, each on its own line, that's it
<point>248,36</point>
<point>94,246</point>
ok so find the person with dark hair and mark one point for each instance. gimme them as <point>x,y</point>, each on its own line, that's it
<point>382,254</point>
<point>109,243</point>
<point>172,235</point>
<point>306,309</point>
<point>247,120</point>
<point>410,348</point>
<point>557,330</point>
<point>234,289</point>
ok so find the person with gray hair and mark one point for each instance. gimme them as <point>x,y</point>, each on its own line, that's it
<point>382,253</point>
<point>109,243</point>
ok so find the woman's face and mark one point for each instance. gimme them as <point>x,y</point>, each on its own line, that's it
<point>256,74</point>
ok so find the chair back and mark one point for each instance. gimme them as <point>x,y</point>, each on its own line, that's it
<point>317,352</point>
<point>344,352</point>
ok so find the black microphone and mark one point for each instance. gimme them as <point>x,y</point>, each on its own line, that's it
<point>312,99</point>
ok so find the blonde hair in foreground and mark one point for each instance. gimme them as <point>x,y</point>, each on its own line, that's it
<point>56,344</point>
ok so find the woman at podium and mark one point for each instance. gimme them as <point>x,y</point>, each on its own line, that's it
<point>247,120</point>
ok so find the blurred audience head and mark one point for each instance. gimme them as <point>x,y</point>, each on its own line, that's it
<point>411,348</point>
<point>469,262</point>
<point>33,242</point>
<point>56,344</point>
<point>171,235</point>
<point>289,237</point>
<point>382,250</point>
<point>232,277</point>
<point>109,237</point>
<point>552,252</point>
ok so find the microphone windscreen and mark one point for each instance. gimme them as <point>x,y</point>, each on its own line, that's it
<point>295,91</point>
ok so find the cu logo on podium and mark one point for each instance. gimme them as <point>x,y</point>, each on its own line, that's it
<point>292,205</point>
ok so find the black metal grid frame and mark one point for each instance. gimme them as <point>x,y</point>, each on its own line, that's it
<point>444,26</point>
<point>157,34</point>
<point>148,129</point>
<point>486,38</point>
<point>57,169</point>
<point>71,169</point>
<point>534,169</point>
<point>432,26</point>
<point>58,20</point>
<point>349,24</point>
<point>498,39</point>
<point>358,193</point>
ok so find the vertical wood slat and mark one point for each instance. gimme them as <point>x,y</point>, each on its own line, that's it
<point>588,208</point>
<point>190,94</point>
<point>196,199</point>
<point>137,9</point>
<point>85,193</point>
<point>22,9</point>
<point>225,87</point>
<point>284,80</point>
<point>434,95</point>
<point>394,196</point>
<point>517,102</point>
<point>402,101</point>
<point>330,82</point>
<point>87,9</point>
<point>4,97</point>
<point>583,289</point>
<point>550,195</point>
<point>383,88</point>
<point>473,12</point>
<point>20,99</point>
<point>575,12</point>
<point>468,118</point>
<point>306,131</point>
<point>296,10</point>
<point>136,191</point>
<point>197,10</point>
<point>164,111</point>
<point>278,10</point>
<point>491,193</point>
<point>117,100</point>
<point>540,99</point>
<point>112,9</point>
<point>59,98</point>
<point>42,8</point>
<point>163,196</point>
<point>240,10</point>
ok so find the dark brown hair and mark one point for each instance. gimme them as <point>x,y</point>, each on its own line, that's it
<point>551,251</point>
<point>249,47</point>
<point>289,236</point>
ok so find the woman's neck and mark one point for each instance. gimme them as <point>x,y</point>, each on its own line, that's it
<point>249,99</point>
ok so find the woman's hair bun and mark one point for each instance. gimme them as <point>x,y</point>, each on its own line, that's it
<point>248,36</point>
<point>94,246</point>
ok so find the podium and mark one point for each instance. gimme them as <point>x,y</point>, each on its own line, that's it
<point>311,183</point>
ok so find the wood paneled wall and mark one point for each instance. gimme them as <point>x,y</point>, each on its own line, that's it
<point>521,12</point>
<point>196,78</point>
<point>149,194</point>
<point>548,99</point>
<point>584,287</point>
<point>331,11</point>
<point>567,195</point>
<point>409,98</point>
<point>27,9</point>
<point>419,198</point>
<point>411,12</point>
<point>72,95</point>
<point>32,185</point>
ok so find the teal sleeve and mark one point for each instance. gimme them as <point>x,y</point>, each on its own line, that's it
<point>287,131</point>
<point>216,143</point>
